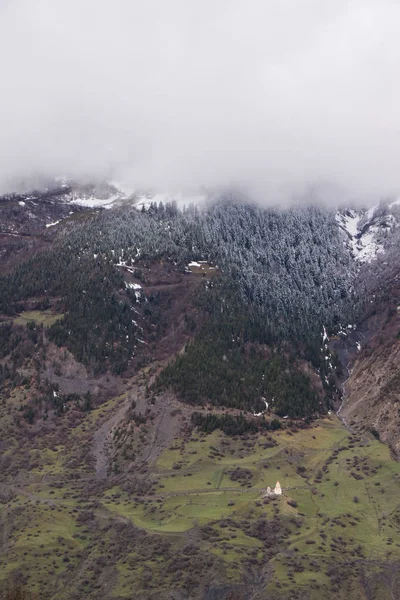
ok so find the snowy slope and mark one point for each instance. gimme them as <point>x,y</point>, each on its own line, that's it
<point>109,194</point>
<point>97,196</point>
<point>367,232</point>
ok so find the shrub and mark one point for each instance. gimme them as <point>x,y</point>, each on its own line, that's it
<point>375,433</point>
<point>18,592</point>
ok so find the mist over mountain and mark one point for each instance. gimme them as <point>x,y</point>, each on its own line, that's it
<point>274,96</point>
<point>199,300</point>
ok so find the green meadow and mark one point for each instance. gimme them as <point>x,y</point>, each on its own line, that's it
<point>335,527</point>
<point>47,318</point>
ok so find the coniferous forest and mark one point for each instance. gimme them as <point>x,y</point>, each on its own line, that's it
<point>283,276</point>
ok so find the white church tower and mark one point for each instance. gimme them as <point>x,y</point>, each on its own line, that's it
<point>278,489</point>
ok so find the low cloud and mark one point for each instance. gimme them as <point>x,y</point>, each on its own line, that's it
<point>276,95</point>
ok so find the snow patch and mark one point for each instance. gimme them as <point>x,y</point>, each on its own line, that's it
<point>93,202</point>
<point>137,288</point>
<point>363,246</point>
<point>133,286</point>
<point>262,412</point>
<point>366,247</point>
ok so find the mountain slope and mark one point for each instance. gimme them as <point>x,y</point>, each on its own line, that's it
<point>159,370</point>
<point>373,385</point>
<point>368,233</point>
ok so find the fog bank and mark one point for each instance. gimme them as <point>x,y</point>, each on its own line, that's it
<point>273,95</point>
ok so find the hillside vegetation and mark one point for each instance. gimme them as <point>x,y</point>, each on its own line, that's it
<point>283,277</point>
<point>197,520</point>
<point>159,370</point>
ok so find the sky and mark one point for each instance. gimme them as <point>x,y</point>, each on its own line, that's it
<point>278,96</point>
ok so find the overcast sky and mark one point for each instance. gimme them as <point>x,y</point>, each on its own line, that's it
<point>277,94</point>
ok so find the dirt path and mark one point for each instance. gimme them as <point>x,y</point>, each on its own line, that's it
<point>201,491</point>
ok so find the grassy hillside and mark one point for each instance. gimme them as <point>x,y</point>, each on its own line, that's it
<point>195,516</point>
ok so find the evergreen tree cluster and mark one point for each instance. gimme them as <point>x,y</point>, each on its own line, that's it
<point>285,275</point>
<point>289,265</point>
<point>98,327</point>
<point>229,424</point>
<point>221,369</point>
